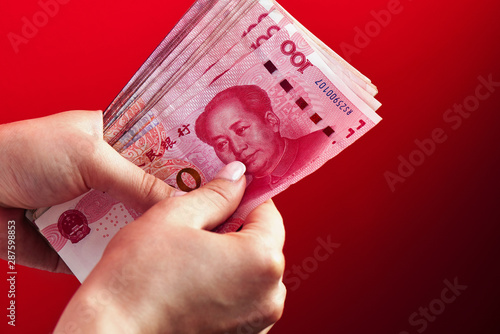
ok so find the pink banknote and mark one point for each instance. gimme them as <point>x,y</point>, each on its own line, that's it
<point>251,33</point>
<point>271,101</point>
<point>186,24</point>
<point>212,27</point>
<point>307,116</point>
<point>79,230</point>
<point>255,29</point>
<point>312,111</point>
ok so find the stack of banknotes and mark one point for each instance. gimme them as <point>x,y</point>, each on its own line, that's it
<point>234,80</point>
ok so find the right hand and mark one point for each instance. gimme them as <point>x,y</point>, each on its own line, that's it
<point>166,273</point>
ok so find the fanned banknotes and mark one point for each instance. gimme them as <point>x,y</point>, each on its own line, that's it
<point>234,80</point>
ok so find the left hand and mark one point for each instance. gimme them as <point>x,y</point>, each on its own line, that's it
<point>51,160</point>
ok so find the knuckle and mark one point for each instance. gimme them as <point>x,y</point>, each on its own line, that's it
<point>218,196</point>
<point>275,314</point>
<point>276,264</point>
<point>83,143</point>
<point>271,264</point>
<point>83,152</point>
<point>273,311</point>
<point>147,188</point>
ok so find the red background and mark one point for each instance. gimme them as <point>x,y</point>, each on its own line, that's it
<point>397,247</point>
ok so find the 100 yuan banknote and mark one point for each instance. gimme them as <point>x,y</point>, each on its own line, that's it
<point>280,110</point>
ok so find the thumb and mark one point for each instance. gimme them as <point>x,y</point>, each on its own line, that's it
<point>106,170</point>
<point>109,172</point>
<point>208,206</point>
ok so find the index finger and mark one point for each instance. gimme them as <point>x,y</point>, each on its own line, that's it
<point>265,221</point>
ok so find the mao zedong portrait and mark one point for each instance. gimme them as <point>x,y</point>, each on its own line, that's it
<point>239,123</point>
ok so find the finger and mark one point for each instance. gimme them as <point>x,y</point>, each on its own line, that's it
<point>31,249</point>
<point>208,206</point>
<point>43,155</point>
<point>108,171</point>
<point>274,304</point>
<point>89,122</point>
<point>265,221</point>
<point>266,330</point>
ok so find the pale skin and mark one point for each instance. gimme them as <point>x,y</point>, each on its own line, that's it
<point>163,273</point>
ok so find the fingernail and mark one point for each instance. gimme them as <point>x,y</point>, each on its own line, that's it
<point>232,171</point>
<point>178,193</point>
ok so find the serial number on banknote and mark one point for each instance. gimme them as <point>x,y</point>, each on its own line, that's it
<point>329,92</point>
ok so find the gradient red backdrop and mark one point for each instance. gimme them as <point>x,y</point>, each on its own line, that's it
<point>397,246</point>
